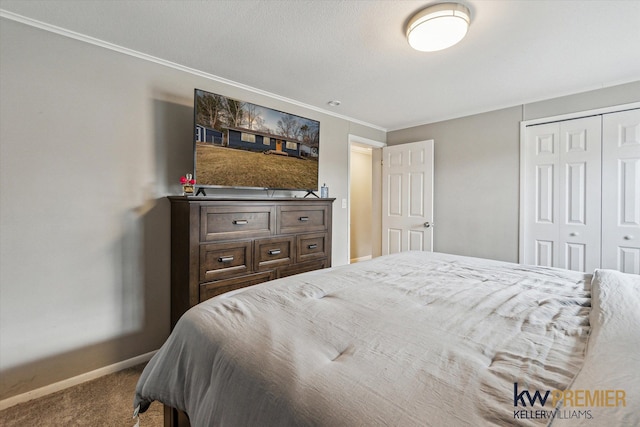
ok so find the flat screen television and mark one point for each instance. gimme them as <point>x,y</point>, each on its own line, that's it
<point>242,145</point>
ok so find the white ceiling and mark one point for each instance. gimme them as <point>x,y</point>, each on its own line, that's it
<point>312,52</point>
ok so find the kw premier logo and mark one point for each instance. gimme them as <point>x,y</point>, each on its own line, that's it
<point>575,403</point>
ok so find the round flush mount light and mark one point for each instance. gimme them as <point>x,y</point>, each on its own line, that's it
<point>438,27</point>
<point>333,103</point>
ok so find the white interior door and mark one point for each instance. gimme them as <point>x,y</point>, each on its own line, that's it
<point>580,194</point>
<point>541,192</point>
<point>562,194</point>
<point>407,197</point>
<point>621,191</point>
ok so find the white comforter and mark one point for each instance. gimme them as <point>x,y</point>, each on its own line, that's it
<point>417,338</point>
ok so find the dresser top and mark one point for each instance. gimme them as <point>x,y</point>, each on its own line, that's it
<point>246,199</point>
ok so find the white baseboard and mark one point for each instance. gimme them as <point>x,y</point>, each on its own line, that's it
<point>362,258</point>
<point>70,382</point>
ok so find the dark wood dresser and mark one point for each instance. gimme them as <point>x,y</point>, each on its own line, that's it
<point>222,244</point>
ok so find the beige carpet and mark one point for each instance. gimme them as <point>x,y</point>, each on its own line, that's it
<point>106,401</point>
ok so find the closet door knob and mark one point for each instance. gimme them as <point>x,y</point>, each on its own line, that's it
<point>628,237</point>
<point>574,234</point>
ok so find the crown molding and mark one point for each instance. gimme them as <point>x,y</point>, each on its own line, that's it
<point>140,55</point>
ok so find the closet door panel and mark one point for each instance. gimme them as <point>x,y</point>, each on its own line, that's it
<point>621,191</point>
<point>541,195</point>
<point>580,192</point>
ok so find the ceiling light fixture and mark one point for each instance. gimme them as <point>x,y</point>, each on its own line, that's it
<point>438,27</point>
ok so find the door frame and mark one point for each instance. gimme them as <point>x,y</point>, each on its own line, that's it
<point>355,140</point>
<point>523,157</point>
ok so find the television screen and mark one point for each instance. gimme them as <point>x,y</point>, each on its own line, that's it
<point>243,145</point>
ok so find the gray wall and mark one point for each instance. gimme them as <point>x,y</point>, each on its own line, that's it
<point>91,142</point>
<point>476,200</point>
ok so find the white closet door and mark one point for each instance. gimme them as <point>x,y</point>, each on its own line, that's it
<point>621,191</point>
<point>562,194</point>
<point>541,227</point>
<point>580,193</point>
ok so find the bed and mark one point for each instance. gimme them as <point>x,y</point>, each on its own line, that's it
<point>410,339</point>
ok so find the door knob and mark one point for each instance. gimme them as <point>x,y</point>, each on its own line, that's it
<point>628,237</point>
<point>428,224</point>
<point>574,234</point>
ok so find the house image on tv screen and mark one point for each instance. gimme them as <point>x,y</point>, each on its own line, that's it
<point>252,140</point>
<point>205,134</point>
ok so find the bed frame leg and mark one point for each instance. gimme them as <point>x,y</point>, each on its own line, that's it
<point>175,418</point>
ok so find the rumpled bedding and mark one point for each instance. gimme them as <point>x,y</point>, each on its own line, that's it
<point>410,339</point>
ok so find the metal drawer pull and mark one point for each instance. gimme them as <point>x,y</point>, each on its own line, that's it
<point>304,218</point>
<point>312,246</point>
<point>240,221</point>
<point>274,251</point>
<point>225,258</point>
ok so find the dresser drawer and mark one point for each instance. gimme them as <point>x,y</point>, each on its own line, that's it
<point>210,290</point>
<point>296,219</point>
<point>236,222</point>
<point>311,246</point>
<point>273,252</point>
<point>222,260</point>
